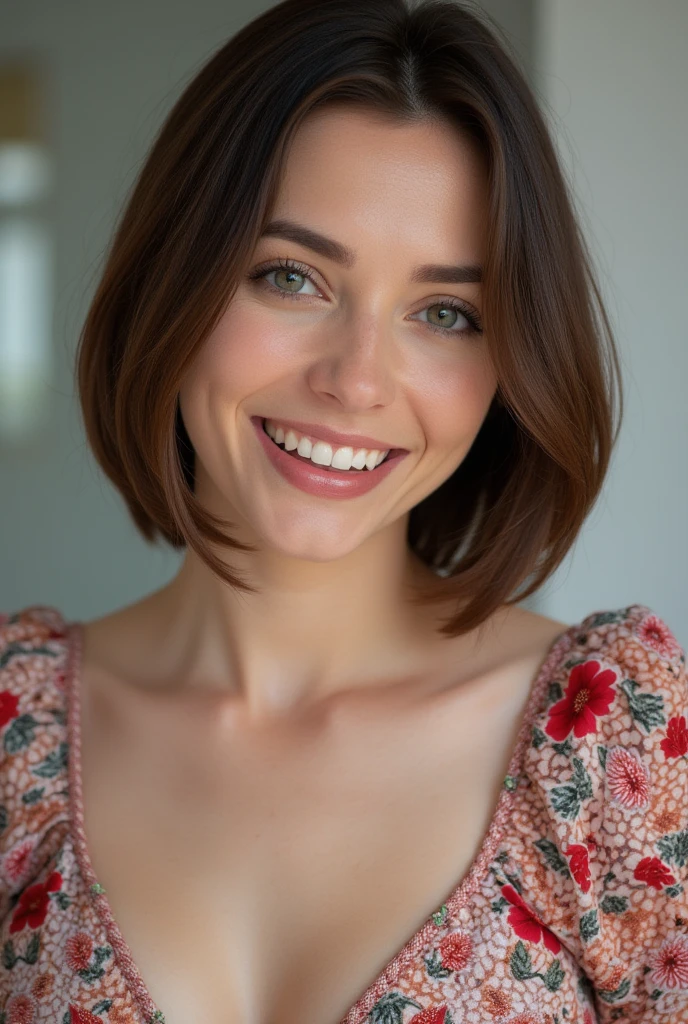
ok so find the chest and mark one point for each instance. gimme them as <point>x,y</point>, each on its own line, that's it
<point>268,879</point>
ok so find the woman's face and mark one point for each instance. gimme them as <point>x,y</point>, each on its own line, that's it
<point>361,347</point>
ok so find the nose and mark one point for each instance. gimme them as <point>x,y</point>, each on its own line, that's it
<point>358,365</point>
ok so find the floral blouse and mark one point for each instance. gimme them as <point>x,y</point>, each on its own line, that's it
<point>574,911</point>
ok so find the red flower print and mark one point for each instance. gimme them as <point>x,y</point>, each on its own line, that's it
<point>587,1017</point>
<point>77,1015</point>
<point>591,842</point>
<point>43,985</point>
<point>579,864</point>
<point>628,778</point>
<point>78,950</point>
<point>526,924</point>
<point>17,862</point>
<point>656,635</point>
<point>455,951</point>
<point>676,742</point>
<point>654,872</point>
<point>8,707</point>
<point>670,965</point>
<point>430,1015</point>
<point>34,902</point>
<point>21,1009</point>
<point>588,695</point>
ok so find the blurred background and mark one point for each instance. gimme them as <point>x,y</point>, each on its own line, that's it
<point>84,86</point>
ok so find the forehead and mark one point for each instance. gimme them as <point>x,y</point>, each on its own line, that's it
<point>362,178</point>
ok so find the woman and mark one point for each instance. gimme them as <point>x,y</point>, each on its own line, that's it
<point>348,352</point>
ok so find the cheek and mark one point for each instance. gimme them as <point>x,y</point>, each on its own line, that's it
<point>452,404</point>
<point>244,353</point>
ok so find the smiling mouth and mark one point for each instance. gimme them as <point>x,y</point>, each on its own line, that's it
<point>316,465</point>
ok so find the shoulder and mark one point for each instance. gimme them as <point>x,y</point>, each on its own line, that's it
<point>33,739</point>
<point>622,680</point>
<point>608,787</point>
<point>33,644</point>
<point>615,714</point>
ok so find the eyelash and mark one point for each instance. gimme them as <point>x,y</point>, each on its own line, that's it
<point>281,264</point>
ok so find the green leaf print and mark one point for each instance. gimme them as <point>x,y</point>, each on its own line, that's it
<point>434,966</point>
<point>554,693</point>
<point>538,737</point>
<point>602,754</point>
<point>53,763</point>
<point>674,890</point>
<point>522,968</point>
<point>581,779</point>
<point>32,948</point>
<point>441,916</point>
<point>18,648</point>
<point>554,976</point>
<point>589,925</point>
<point>20,733</point>
<point>613,904</point>
<point>520,963</point>
<point>95,971</point>
<point>612,997</point>
<point>645,708</point>
<point>63,899</point>
<point>552,856</point>
<point>32,796</point>
<point>566,799</point>
<point>673,848</point>
<point>389,1009</point>
<point>515,881</point>
<point>9,957</point>
<point>4,817</point>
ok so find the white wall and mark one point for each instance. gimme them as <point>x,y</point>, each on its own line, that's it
<point>613,77</point>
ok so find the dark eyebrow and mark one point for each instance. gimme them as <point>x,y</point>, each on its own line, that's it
<point>436,273</point>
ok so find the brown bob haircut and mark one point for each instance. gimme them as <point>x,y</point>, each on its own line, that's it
<point>512,510</point>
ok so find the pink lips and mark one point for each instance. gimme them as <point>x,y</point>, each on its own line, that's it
<point>321,482</point>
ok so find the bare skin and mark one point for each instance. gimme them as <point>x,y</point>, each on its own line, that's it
<point>266,874</point>
<point>280,787</point>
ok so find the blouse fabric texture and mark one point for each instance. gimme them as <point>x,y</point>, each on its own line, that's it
<point>574,911</point>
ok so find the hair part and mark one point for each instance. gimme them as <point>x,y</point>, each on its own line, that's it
<point>511,511</point>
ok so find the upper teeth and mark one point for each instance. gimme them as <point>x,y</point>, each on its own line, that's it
<point>321,452</point>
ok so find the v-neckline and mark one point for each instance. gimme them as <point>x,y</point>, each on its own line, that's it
<point>386,978</point>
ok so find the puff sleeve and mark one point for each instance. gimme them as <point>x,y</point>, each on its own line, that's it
<point>616,798</point>
<point>33,749</point>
